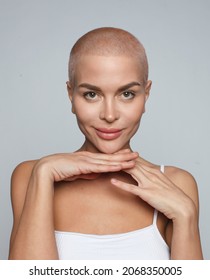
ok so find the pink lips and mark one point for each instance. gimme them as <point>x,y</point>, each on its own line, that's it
<point>108,134</point>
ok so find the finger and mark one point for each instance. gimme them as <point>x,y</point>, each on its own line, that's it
<point>145,171</point>
<point>102,168</point>
<point>72,178</point>
<point>154,174</point>
<point>112,167</point>
<point>89,176</point>
<point>126,187</point>
<point>120,157</point>
<point>123,151</point>
<point>100,158</point>
<point>128,165</point>
<point>137,173</point>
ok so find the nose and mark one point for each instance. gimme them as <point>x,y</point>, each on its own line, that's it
<point>109,111</point>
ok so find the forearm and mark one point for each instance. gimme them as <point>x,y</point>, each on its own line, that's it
<point>34,236</point>
<point>186,243</point>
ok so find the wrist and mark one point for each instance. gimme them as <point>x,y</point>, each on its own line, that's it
<point>42,171</point>
<point>187,214</point>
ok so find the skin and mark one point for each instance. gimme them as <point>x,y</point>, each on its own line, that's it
<point>65,191</point>
<point>110,107</point>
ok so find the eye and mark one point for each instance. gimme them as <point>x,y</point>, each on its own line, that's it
<point>90,95</point>
<point>128,95</point>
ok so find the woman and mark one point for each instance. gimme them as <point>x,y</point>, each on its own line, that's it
<point>104,201</point>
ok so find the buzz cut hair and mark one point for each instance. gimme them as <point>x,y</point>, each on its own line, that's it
<point>108,41</point>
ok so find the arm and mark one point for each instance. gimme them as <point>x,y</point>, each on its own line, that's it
<point>183,232</point>
<point>33,230</point>
<point>32,197</point>
<point>177,199</point>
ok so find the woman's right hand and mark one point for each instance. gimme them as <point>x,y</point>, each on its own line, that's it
<point>82,164</point>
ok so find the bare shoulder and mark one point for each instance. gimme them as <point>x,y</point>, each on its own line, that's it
<point>181,178</point>
<point>19,183</point>
<point>184,180</point>
<point>22,172</point>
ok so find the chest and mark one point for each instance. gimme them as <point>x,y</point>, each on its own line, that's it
<point>97,207</point>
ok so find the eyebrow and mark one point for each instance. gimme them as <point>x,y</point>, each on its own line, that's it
<point>124,87</point>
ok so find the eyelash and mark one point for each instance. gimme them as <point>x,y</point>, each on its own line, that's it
<point>131,93</point>
<point>87,95</point>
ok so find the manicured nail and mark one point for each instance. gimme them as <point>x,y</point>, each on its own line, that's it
<point>114,181</point>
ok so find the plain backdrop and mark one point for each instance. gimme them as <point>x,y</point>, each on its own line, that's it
<point>35,113</point>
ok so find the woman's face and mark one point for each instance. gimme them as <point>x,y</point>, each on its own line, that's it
<point>108,99</point>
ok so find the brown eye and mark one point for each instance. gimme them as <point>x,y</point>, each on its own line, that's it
<point>90,95</point>
<point>128,95</point>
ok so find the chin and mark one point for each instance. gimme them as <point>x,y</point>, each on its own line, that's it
<point>105,147</point>
<point>109,149</point>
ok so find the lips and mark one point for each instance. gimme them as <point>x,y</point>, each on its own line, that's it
<point>108,133</point>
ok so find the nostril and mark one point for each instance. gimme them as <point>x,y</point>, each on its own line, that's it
<point>108,111</point>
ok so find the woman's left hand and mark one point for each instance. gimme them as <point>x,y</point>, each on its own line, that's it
<point>156,189</point>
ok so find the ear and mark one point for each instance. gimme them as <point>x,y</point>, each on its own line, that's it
<point>147,91</point>
<point>148,88</point>
<point>70,94</point>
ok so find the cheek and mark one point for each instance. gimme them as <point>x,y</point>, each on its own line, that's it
<point>134,113</point>
<point>85,114</point>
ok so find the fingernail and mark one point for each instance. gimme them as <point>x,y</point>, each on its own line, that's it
<point>114,181</point>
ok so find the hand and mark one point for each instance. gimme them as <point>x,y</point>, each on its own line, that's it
<point>84,164</point>
<point>156,189</point>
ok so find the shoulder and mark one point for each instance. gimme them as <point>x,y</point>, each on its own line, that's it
<point>23,171</point>
<point>184,180</point>
<point>180,178</point>
<point>19,185</point>
<point>19,182</point>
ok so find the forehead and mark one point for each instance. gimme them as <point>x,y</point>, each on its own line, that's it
<point>107,69</point>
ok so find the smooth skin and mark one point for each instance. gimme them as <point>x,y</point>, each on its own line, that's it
<point>33,197</point>
<point>104,187</point>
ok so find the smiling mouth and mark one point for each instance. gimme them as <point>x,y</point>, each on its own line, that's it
<point>108,134</point>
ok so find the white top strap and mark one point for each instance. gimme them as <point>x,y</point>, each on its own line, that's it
<point>162,168</point>
<point>155,217</point>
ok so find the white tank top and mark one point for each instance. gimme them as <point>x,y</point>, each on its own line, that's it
<point>142,244</point>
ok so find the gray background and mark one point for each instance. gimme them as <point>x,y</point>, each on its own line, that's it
<point>35,115</point>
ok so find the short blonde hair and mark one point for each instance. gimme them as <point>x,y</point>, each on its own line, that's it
<point>108,41</point>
